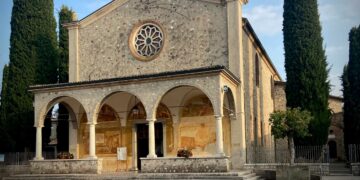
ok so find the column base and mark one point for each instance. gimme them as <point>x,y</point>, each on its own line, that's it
<point>220,155</point>
<point>151,156</point>
<point>134,169</point>
<point>38,158</point>
<point>92,157</point>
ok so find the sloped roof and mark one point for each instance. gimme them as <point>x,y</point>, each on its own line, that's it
<point>247,25</point>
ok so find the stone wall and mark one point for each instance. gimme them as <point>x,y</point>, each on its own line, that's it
<point>280,105</point>
<point>83,166</point>
<point>355,169</point>
<point>280,96</point>
<point>195,36</point>
<point>185,165</point>
<point>336,129</point>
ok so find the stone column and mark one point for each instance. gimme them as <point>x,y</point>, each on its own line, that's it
<point>134,148</point>
<point>164,139</point>
<point>152,153</point>
<point>38,154</point>
<point>219,137</point>
<point>92,143</point>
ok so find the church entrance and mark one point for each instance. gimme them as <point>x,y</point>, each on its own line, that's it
<point>56,131</point>
<point>143,141</point>
<point>332,149</point>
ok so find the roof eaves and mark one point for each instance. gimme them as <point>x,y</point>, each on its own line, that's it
<point>197,71</point>
<point>251,30</point>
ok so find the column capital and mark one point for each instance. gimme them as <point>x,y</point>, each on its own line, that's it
<point>151,120</point>
<point>218,116</point>
<point>39,126</point>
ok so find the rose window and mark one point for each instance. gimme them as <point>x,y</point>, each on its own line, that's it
<point>147,41</point>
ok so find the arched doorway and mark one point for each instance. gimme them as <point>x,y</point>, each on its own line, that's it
<point>332,149</point>
<point>56,131</point>
<point>163,130</point>
<point>194,126</point>
<point>229,113</point>
<point>60,133</point>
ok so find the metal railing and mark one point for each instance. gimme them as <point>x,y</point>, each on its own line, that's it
<point>303,154</point>
<point>354,153</point>
<point>22,158</point>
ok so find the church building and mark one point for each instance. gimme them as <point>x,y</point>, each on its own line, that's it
<point>148,78</point>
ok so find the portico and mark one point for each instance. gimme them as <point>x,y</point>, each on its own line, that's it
<point>181,105</point>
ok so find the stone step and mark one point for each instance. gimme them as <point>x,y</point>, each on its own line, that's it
<point>242,175</point>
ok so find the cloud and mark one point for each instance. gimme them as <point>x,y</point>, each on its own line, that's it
<point>266,19</point>
<point>335,10</point>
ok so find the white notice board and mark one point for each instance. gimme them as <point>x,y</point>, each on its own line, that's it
<point>121,153</point>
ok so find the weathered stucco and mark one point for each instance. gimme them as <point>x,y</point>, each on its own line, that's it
<point>195,36</point>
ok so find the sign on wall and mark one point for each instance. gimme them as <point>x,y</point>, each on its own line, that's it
<point>121,153</point>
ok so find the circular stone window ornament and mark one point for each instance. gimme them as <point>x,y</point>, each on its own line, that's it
<point>146,41</point>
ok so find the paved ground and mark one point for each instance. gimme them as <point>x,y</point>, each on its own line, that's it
<point>341,178</point>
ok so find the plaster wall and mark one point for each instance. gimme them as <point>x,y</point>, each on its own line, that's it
<point>259,102</point>
<point>335,105</point>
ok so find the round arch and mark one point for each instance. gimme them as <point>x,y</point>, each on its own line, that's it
<point>229,102</point>
<point>69,102</point>
<point>128,98</point>
<point>166,91</point>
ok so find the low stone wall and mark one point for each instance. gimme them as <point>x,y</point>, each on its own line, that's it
<point>7,170</point>
<point>355,169</point>
<point>184,165</point>
<point>68,166</point>
<point>318,168</point>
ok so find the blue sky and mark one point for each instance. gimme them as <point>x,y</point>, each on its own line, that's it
<point>337,18</point>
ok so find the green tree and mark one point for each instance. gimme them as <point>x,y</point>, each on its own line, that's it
<point>5,141</point>
<point>351,89</point>
<point>291,123</point>
<point>307,84</point>
<point>66,15</point>
<point>33,54</point>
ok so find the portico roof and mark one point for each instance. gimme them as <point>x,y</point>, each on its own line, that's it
<point>205,71</point>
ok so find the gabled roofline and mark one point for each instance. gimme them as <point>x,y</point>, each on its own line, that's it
<point>107,8</point>
<point>103,10</point>
<point>248,26</point>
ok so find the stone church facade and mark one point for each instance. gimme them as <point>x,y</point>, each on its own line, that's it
<point>154,77</point>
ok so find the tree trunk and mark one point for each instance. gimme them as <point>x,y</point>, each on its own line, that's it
<point>291,147</point>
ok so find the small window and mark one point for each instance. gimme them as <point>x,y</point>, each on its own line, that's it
<point>272,86</point>
<point>257,70</point>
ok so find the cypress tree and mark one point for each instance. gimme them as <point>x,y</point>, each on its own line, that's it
<point>5,140</point>
<point>33,56</point>
<point>307,85</point>
<point>65,16</point>
<point>351,89</point>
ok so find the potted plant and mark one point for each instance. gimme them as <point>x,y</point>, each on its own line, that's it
<point>65,155</point>
<point>184,153</point>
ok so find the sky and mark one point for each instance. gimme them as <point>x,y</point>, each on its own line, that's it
<point>337,17</point>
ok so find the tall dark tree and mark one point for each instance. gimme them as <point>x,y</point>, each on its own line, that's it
<point>65,16</point>
<point>351,89</point>
<point>5,141</point>
<point>33,57</point>
<point>307,84</point>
